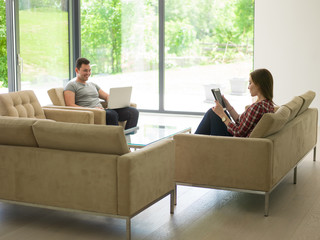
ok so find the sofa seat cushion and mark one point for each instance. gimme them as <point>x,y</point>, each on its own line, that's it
<point>294,105</point>
<point>17,131</point>
<point>81,137</point>
<point>307,100</point>
<point>271,123</point>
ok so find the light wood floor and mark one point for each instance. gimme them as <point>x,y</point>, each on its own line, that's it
<point>201,214</point>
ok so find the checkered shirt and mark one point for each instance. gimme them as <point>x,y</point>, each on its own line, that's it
<point>246,122</point>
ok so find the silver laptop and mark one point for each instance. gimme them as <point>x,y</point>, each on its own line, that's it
<point>119,97</point>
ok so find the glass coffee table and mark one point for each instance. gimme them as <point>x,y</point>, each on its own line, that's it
<point>147,134</point>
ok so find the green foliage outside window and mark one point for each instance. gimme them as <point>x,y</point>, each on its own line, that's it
<point>220,30</point>
<point>3,46</point>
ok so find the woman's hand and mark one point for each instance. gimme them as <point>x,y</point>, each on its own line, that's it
<point>226,102</point>
<point>218,109</point>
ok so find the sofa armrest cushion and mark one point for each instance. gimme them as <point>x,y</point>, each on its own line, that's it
<point>17,131</point>
<point>71,116</point>
<point>307,100</point>
<point>271,123</point>
<point>99,114</point>
<point>81,137</point>
<point>294,105</point>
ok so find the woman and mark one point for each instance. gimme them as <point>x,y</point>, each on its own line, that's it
<point>218,122</point>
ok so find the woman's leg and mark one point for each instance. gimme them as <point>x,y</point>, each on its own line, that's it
<point>212,124</point>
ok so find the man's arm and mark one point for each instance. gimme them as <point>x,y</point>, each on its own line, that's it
<point>103,95</point>
<point>69,98</point>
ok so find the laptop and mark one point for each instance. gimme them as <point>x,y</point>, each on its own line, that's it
<point>119,97</point>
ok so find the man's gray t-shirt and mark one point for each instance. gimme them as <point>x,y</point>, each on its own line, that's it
<point>86,95</point>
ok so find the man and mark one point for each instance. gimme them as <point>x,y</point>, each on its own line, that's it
<point>81,93</point>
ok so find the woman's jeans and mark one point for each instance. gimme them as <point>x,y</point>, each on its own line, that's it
<point>129,114</point>
<point>212,124</point>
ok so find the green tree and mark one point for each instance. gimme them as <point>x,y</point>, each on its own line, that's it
<point>101,34</point>
<point>3,45</point>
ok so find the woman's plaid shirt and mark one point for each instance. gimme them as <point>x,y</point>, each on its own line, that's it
<point>244,125</point>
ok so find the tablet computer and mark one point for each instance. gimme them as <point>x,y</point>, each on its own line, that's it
<point>217,95</point>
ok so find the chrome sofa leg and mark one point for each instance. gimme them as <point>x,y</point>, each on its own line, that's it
<point>295,175</point>
<point>128,228</point>
<point>266,204</point>
<point>172,200</point>
<point>175,194</point>
<point>314,153</point>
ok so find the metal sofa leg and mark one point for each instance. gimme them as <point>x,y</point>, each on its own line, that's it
<point>266,204</point>
<point>128,228</point>
<point>175,194</point>
<point>295,175</point>
<point>172,200</point>
<point>314,153</point>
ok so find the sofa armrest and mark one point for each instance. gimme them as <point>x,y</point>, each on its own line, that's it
<point>99,114</point>
<point>144,176</point>
<point>63,115</point>
<point>224,162</point>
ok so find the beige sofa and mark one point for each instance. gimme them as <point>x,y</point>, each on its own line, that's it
<point>81,167</point>
<point>25,104</point>
<point>257,163</point>
<point>57,99</point>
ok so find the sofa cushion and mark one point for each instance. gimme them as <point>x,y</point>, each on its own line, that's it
<point>271,123</point>
<point>307,100</point>
<point>294,105</point>
<point>17,131</point>
<point>21,104</point>
<point>81,137</point>
<point>56,96</point>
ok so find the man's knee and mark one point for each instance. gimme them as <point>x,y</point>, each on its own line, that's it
<point>134,111</point>
<point>111,117</point>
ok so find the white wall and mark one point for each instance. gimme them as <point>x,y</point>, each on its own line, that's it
<point>287,42</point>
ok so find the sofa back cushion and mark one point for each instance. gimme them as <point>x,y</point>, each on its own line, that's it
<point>17,131</point>
<point>56,96</point>
<point>21,104</point>
<point>271,123</point>
<point>307,99</point>
<point>81,137</point>
<point>294,105</point>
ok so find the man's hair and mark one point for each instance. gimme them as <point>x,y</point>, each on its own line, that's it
<point>263,78</point>
<point>81,61</point>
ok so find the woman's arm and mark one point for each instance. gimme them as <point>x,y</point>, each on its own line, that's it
<point>231,110</point>
<point>247,121</point>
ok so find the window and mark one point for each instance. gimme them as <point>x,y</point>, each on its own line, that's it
<point>208,44</point>
<point>120,38</point>
<point>44,43</point>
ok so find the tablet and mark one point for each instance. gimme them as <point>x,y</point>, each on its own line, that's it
<point>217,95</point>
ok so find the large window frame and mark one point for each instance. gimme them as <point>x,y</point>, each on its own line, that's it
<point>14,80</point>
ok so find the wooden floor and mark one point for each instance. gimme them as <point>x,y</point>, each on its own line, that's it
<point>201,214</point>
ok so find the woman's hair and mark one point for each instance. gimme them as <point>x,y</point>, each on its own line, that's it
<point>264,80</point>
